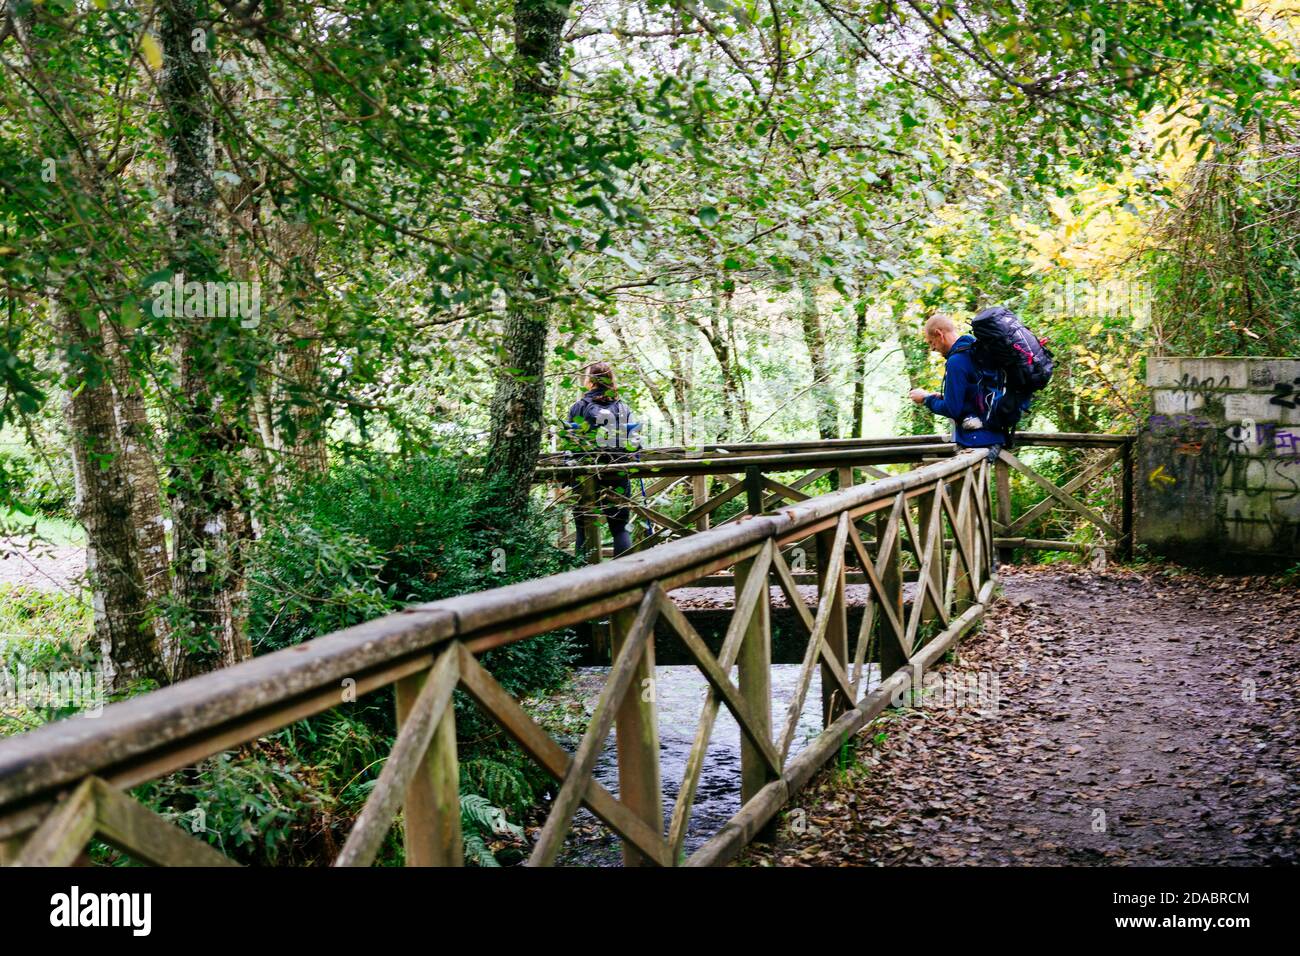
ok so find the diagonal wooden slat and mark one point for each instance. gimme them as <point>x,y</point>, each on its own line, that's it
<point>816,645</point>
<point>1085,477</point>
<point>551,757</point>
<point>1069,502</point>
<point>986,522</point>
<point>658,517</point>
<point>713,504</point>
<point>756,587</point>
<point>979,497</point>
<point>660,484</point>
<point>782,491</point>
<point>791,590</point>
<point>133,829</point>
<point>866,628</point>
<point>873,571</point>
<point>957,518</point>
<point>797,485</point>
<point>913,536</point>
<point>718,680</point>
<point>933,546</point>
<point>925,584</point>
<point>96,809</point>
<point>64,833</point>
<point>403,761</point>
<point>593,741</point>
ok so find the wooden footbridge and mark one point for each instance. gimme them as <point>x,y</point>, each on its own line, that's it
<point>903,509</point>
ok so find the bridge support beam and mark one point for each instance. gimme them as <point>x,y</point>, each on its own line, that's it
<point>926,505</point>
<point>891,579</point>
<point>637,736</point>
<point>1002,479</point>
<point>699,495</point>
<point>837,628</point>
<point>431,808</point>
<point>755,683</point>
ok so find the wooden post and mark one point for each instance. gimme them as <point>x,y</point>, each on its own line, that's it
<point>431,809</point>
<point>10,847</point>
<point>925,509</point>
<point>755,683</point>
<point>565,539</point>
<point>588,515</point>
<point>837,629</point>
<point>1126,514</point>
<point>753,491</point>
<point>1002,472</point>
<point>964,589</point>
<point>699,495</point>
<point>845,477</point>
<point>637,735</point>
<point>891,579</point>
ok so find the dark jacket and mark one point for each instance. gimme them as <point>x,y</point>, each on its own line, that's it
<point>601,423</point>
<point>960,397</point>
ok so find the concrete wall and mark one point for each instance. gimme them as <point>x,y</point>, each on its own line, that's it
<point>1218,464</point>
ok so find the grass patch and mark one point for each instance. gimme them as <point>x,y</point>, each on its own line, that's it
<point>48,632</point>
<point>61,532</point>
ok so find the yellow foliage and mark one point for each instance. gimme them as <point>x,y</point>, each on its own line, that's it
<point>152,51</point>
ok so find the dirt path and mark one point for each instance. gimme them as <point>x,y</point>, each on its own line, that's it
<point>1140,719</point>
<point>40,565</point>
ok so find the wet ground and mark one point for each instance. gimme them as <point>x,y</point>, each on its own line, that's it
<point>1140,719</point>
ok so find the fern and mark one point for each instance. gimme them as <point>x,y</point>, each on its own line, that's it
<point>479,819</point>
<point>477,852</point>
<point>500,783</point>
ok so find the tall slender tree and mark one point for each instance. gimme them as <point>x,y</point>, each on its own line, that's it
<point>520,394</point>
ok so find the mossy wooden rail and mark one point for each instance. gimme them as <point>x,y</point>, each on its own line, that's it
<point>664,474</point>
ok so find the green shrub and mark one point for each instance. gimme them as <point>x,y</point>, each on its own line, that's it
<point>28,479</point>
<point>41,631</point>
<point>375,535</point>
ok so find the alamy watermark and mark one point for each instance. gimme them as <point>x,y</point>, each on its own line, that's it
<point>1107,298</point>
<point>180,299</point>
<point>82,690</point>
<point>950,690</point>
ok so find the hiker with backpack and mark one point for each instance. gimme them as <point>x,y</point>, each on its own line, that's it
<point>989,377</point>
<point>602,425</point>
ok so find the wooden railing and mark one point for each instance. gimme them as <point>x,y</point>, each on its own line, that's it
<point>68,781</point>
<point>671,496</point>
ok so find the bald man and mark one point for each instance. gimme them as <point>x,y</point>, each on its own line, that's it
<point>960,399</point>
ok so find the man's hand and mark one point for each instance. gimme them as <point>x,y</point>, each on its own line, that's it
<point>918,395</point>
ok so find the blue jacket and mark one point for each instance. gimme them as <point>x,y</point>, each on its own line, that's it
<point>961,397</point>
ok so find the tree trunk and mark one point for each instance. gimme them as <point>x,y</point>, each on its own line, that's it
<point>715,334</point>
<point>123,611</point>
<point>209,523</point>
<point>147,522</point>
<point>737,383</point>
<point>859,365</point>
<point>681,368</point>
<point>111,480</point>
<point>520,393</point>
<point>823,389</point>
